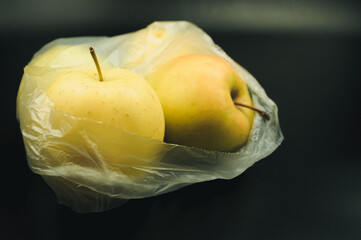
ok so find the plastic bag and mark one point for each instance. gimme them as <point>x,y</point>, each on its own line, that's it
<point>70,153</point>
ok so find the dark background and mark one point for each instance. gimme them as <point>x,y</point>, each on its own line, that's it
<point>306,54</point>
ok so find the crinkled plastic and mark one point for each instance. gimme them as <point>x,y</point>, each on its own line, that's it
<point>71,153</point>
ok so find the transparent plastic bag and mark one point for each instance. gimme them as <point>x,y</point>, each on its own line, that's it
<point>72,154</point>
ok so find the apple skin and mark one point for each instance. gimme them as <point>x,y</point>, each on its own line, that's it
<point>62,56</point>
<point>124,99</point>
<point>197,93</point>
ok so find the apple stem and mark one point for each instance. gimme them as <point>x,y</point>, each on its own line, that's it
<point>92,52</point>
<point>263,113</point>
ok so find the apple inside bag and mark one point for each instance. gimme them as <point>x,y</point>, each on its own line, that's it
<point>94,165</point>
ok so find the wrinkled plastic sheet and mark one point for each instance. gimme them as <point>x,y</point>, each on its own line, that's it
<point>71,153</point>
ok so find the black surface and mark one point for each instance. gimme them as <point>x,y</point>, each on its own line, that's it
<point>309,188</point>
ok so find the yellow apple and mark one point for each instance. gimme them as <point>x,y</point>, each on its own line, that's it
<point>59,56</point>
<point>123,99</point>
<point>200,95</point>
